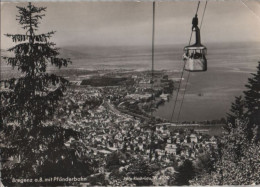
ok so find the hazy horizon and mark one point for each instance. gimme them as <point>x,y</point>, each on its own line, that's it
<point>130,23</point>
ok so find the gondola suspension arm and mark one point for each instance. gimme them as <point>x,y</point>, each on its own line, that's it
<point>182,72</point>
<point>189,71</point>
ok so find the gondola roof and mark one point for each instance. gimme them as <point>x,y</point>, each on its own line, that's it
<point>195,47</point>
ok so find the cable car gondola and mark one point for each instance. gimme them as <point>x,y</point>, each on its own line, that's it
<point>195,55</point>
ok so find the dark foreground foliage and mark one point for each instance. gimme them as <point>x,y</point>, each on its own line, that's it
<point>237,161</point>
<point>31,141</point>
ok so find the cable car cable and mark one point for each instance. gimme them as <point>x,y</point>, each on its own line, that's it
<point>174,106</point>
<point>183,96</point>
<point>152,78</point>
<point>178,90</point>
<point>203,14</point>
<point>152,82</point>
<point>198,7</point>
<point>189,72</point>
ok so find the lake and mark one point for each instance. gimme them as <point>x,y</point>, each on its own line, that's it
<point>209,94</point>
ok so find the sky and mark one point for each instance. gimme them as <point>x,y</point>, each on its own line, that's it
<point>130,23</point>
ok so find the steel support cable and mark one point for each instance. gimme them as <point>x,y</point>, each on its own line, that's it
<point>198,7</point>
<point>183,97</point>
<point>175,102</point>
<point>152,82</point>
<point>174,106</point>
<point>189,72</point>
<point>203,14</point>
<point>152,79</point>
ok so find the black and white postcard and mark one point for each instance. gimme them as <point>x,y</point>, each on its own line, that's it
<point>127,93</point>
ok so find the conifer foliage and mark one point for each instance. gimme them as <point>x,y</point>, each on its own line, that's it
<point>32,98</point>
<point>236,112</point>
<point>28,106</point>
<point>238,157</point>
<point>247,107</point>
<point>252,101</point>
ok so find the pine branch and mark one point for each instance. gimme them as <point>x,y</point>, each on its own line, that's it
<point>42,81</point>
<point>36,49</point>
<point>27,16</point>
<point>25,37</point>
<point>43,37</point>
<point>35,9</point>
<point>18,37</point>
<point>59,62</point>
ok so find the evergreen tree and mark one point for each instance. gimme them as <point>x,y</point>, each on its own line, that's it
<point>238,161</point>
<point>28,105</point>
<point>185,173</point>
<point>238,157</point>
<point>237,111</point>
<point>252,100</point>
<point>32,98</point>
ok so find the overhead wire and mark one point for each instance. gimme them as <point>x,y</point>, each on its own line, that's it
<point>174,106</point>
<point>152,71</point>
<point>152,81</point>
<point>182,73</point>
<point>203,14</point>
<point>183,96</point>
<point>189,72</point>
<point>198,7</point>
